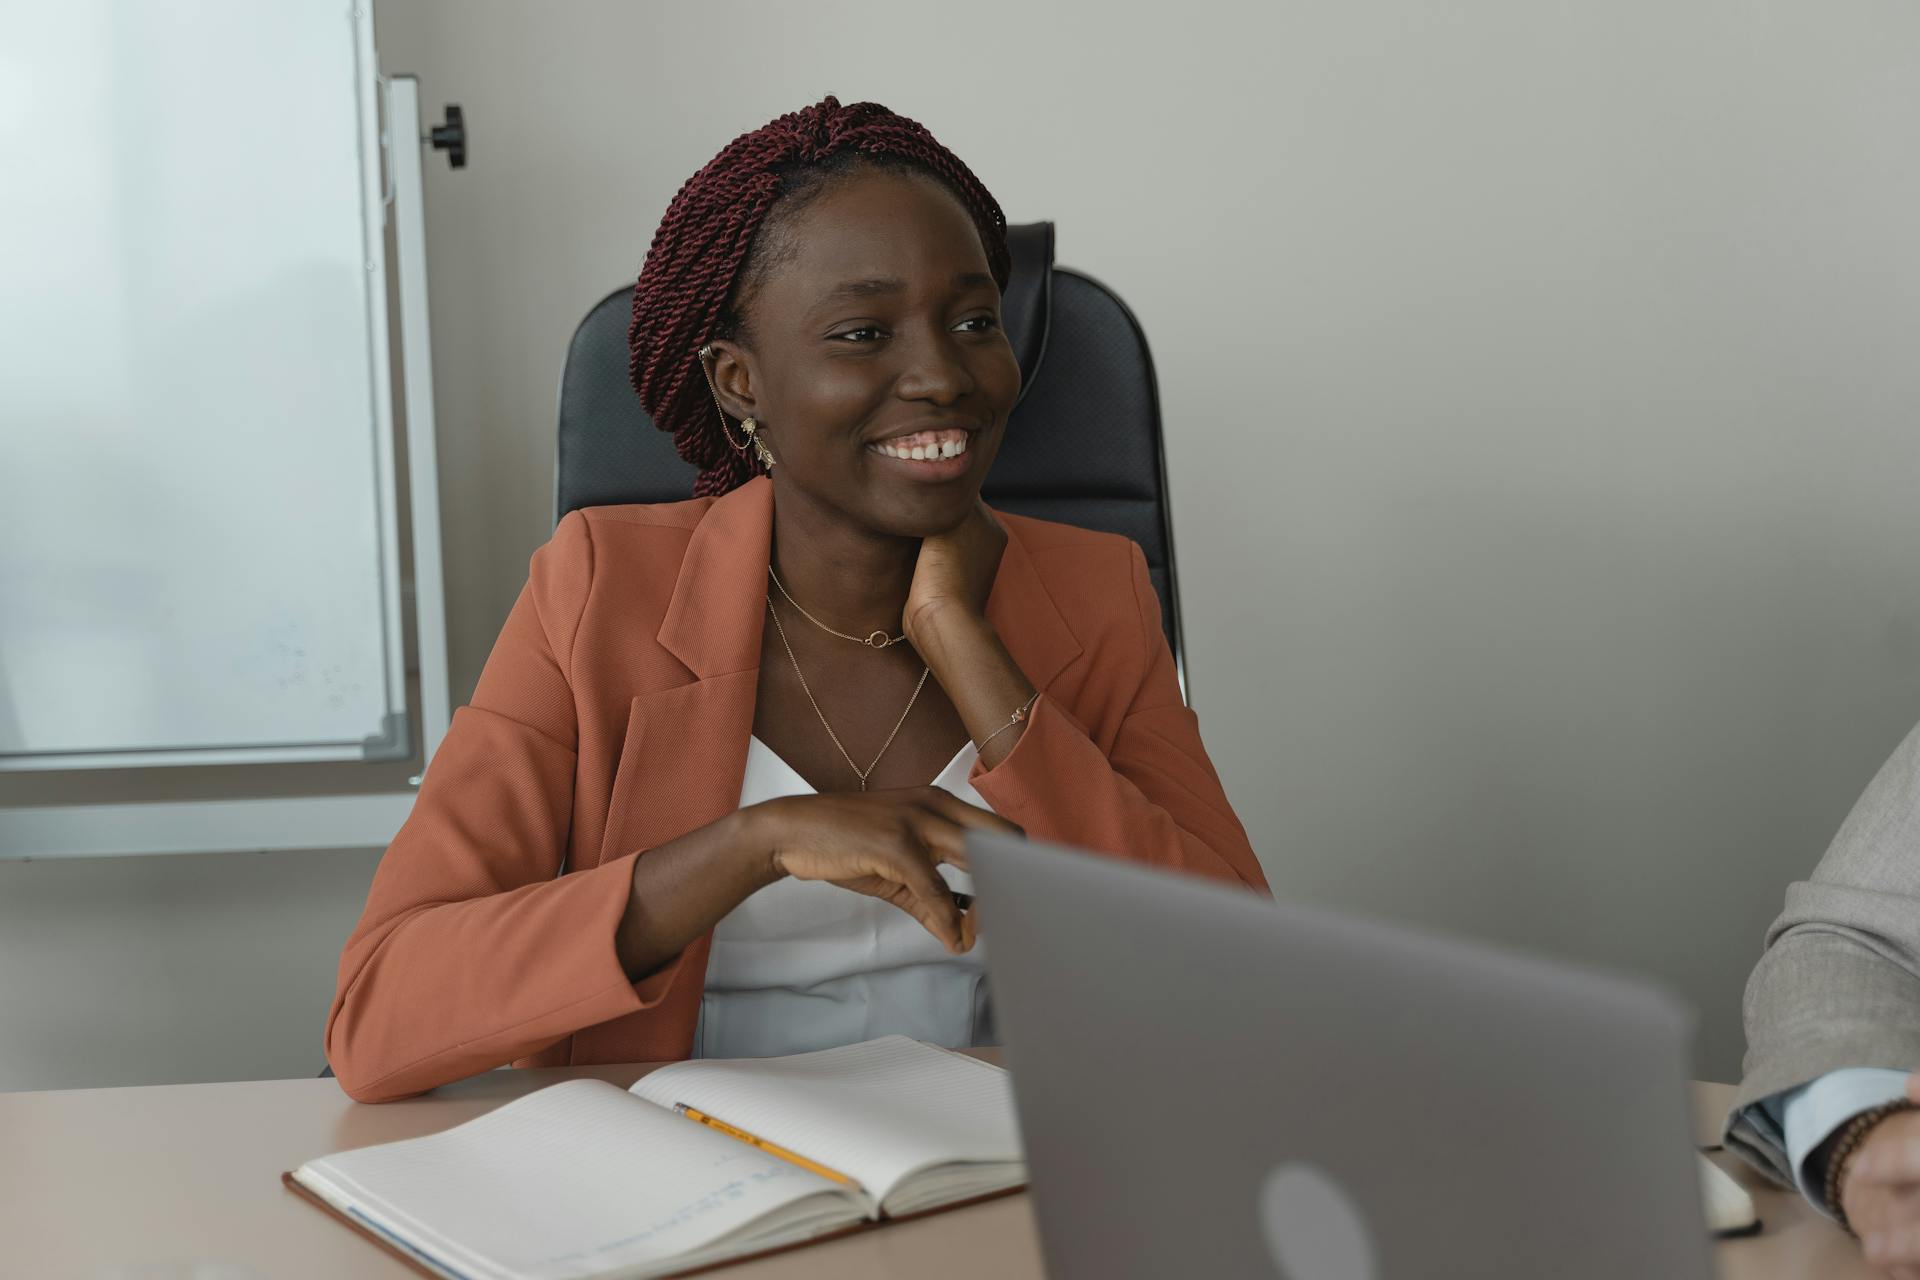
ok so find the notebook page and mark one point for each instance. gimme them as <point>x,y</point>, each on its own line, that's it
<point>1729,1208</point>
<point>876,1111</point>
<point>574,1180</point>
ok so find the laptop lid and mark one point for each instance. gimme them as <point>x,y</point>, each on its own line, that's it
<point>1213,1084</point>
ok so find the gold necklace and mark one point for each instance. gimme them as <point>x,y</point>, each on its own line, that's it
<point>858,772</point>
<point>875,640</point>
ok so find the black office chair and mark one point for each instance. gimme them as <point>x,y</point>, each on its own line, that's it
<point>1083,444</point>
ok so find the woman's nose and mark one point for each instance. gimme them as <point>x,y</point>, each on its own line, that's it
<point>935,370</point>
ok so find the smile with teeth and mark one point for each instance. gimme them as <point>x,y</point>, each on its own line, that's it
<point>924,445</point>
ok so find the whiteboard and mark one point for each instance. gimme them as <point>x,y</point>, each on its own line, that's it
<point>199,550</point>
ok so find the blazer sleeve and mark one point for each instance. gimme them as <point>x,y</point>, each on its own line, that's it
<point>1154,798</point>
<point>1838,984</point>
<point>473,949</point>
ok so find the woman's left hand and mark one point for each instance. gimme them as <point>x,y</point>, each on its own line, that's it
<point>955,570</point>
<point>946,622</point>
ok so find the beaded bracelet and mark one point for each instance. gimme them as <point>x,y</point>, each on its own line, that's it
<point>1020,713</point>
<point>1851,1137</point>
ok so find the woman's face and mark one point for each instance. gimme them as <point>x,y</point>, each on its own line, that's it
<point>876,330</point>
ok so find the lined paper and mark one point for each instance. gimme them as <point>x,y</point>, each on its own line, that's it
<point>877,1111</point>
<point>572,1181</point>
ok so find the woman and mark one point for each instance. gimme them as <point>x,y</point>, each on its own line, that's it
<point>752,728</point>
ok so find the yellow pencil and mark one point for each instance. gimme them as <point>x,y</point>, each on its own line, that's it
<point>771,1148</point>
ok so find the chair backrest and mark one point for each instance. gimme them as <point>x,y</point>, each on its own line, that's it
<point>1083,445</point>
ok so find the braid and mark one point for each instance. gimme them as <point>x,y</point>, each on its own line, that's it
<point>703,255</point>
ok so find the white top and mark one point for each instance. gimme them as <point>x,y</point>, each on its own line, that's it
<point>804,965</point>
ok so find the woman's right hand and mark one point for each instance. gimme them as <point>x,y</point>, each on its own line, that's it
<point>885,844</point>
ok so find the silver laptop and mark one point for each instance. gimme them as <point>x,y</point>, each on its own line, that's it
<point>1214,1085</point>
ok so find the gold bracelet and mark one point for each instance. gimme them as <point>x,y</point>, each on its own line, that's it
<point>1850,1138</point>
<point>1020,713</point>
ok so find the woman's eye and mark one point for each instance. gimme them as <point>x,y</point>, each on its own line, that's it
<point>980,324</point>
<point>865,333</point>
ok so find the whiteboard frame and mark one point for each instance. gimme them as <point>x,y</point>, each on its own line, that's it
<point>312,822</point>
<point>423,436</point>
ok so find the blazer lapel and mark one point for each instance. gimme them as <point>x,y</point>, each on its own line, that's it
<point>692,737</point>
<point>1025,617</point>
<point>712,623</point>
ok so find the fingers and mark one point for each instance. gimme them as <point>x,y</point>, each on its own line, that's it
<point>1893,1157</point>
<point>952,807</point>
<point>889,845</point>
<point>940,841</point>
<point>926,898</point>
<point>891,891</point>
<point>945,838</point>
<point>1893,1246</point>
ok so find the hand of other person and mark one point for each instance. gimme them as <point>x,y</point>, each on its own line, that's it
<point>885,844</point>
<point>1880,1191</point>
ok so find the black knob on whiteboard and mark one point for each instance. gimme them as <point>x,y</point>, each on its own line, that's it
<point>451,137</point>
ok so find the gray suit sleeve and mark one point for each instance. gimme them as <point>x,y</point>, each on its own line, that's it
<point>1839,982</point>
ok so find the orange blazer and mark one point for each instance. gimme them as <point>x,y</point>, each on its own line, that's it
<point>613,715</point>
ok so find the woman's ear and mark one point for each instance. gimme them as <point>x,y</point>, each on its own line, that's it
<point>730,373</point>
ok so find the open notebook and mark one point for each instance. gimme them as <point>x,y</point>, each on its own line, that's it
<point>1729,1208</point>
<point>584,1179</point>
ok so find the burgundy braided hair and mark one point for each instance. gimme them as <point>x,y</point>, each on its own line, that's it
<point>708,254</point>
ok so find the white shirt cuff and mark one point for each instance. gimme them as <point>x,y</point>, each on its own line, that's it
<point>1810,1113</point>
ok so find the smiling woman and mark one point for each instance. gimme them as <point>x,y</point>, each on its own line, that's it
<point>883,272</point>
<point>710,794</point>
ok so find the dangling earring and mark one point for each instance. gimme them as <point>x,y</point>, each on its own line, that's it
<point>760,449</point>
<point>749,426</point>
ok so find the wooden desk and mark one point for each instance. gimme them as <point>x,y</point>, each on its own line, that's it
<point>181,1182</point>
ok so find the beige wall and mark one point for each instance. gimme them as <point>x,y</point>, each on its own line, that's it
<point>1540,412</point>
<point>171,968</point>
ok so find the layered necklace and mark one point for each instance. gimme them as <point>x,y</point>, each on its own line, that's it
<point>875,640</point>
